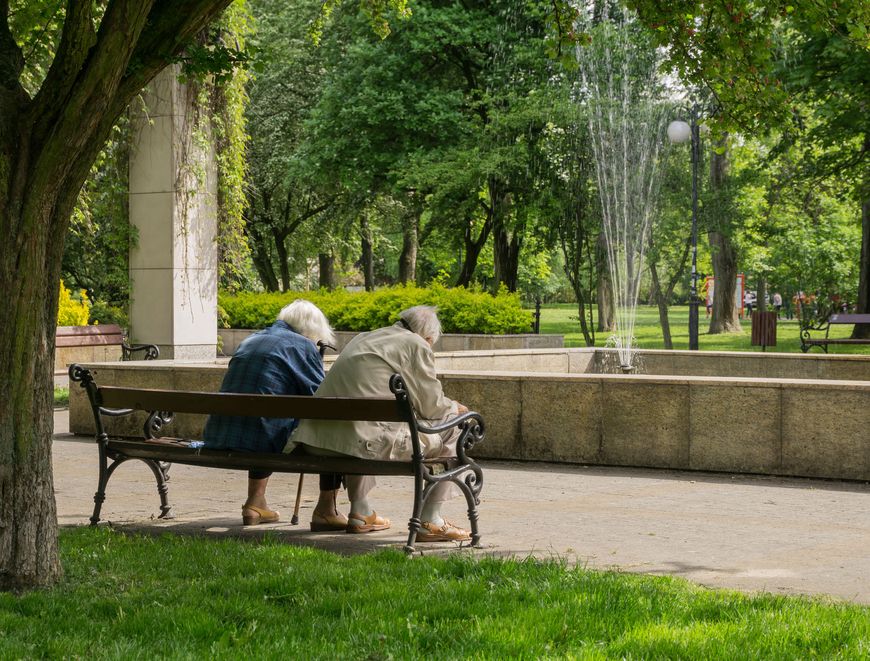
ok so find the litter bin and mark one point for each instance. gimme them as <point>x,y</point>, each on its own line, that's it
<point>763,329</point>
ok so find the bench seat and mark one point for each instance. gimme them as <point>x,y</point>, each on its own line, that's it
<point>178,451</point>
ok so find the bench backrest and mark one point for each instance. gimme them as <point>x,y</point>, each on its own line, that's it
<point>849,319</point>
<point>265,406</point>
<point>82,336</point>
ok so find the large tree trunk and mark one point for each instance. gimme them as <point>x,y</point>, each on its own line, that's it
<point>29,276</point>
<point>408,258</point>
<point>326,276</point>
<point>725,318</point>
<point>47,146</point>
<point>604,291</point>
<point>863,302</point>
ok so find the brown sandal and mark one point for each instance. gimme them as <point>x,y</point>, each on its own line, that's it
<point>371,523</point>
<point>327,522</point>
<point>449,532</point>
<point>261,515</point>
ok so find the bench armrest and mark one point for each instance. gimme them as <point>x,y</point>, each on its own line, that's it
<point>152,352</point>
<point>471,431</point>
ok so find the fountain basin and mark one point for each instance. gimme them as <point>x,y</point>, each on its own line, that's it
<point>557,406</point>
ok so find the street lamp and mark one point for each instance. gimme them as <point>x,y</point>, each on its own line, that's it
<point>679,132</point>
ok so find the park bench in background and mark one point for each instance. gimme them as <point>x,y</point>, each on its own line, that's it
<point>96,344</point>
<point>159,452</point>
<point>836,319</point>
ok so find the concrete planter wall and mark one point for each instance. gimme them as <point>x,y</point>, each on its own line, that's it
<point>232,337</point>
<point>553,405</point>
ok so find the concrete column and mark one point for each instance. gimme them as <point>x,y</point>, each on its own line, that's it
<point>173,204</point>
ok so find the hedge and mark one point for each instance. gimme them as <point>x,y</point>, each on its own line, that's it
<point>460,310</point>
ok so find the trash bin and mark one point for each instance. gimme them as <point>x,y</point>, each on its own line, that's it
<point>763,329</point>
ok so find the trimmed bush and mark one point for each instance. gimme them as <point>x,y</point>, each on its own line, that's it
<point>460,310</point>
<point>72,311</point>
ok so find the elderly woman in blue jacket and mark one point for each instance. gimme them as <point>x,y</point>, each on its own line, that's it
<point>280,360</point>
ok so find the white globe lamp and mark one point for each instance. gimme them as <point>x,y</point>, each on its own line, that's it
<point>679,131</point>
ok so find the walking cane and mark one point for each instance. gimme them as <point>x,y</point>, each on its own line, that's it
<point>294,520</point>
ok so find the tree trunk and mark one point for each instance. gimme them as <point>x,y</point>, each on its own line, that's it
<point>862,331</point>
<point>662,303</point>
<point>326,277</point>
<point>30,276</point>
<point>408,258</point>
<point>260,256</point>
<point>367,259</point>
<point>506,257</point>
<point>761,295</point>
<point>725,317</point>
<point>281,251</point>
<point>472,251</point>
<point>604,292</point>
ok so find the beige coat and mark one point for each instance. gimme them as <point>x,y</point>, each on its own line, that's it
<point>363,369</point>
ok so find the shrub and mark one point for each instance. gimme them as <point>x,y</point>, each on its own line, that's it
<point>72,311</point>
<point>460,310</point>
<point>103,313</point>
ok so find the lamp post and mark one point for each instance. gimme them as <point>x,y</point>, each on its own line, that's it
<point>679,132</point>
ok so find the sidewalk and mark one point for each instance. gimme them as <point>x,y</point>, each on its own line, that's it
<point>783,536</point>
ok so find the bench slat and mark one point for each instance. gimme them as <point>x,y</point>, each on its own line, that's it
<point>837,341</point>
<point>163,450</point>
<point>275,406</point>
<point>849,319</point>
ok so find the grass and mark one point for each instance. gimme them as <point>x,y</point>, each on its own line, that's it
<point>127,596</point>
<point>562,319</point>
<point>61,397</point>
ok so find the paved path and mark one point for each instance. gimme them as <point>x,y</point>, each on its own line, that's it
<point>784,536</point>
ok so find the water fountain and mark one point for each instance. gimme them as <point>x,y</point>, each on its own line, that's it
<point>626,115</point>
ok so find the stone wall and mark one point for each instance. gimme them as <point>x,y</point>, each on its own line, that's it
<point>550,406</point>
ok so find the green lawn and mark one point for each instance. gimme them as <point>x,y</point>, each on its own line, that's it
<point>193,598</point>
<point>562,319</point>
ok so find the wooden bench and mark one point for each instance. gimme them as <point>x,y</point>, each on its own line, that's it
<point>159,452</point>
<point>836,319</point>
<point>103,335</point>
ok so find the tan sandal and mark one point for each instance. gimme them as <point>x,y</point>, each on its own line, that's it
<point>327,522</point>
<point>371,523</point>
<point>260,515</point>
<point>449,532</point>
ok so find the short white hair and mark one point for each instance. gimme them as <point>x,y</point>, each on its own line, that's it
<point>306,319</point>
<point>423,320</point>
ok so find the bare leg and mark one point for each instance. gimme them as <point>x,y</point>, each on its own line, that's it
<point>326,503</point>
<point>257,493</point>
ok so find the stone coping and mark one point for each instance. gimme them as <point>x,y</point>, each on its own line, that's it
<point>750,382</point>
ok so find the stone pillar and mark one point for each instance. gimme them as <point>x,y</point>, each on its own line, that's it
<point>173,204</point>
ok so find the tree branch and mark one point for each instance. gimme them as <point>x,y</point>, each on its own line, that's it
<point>11,58</point>
<point>77,39</point>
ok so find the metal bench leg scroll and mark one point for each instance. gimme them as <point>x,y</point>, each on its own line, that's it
<point>161,474</point>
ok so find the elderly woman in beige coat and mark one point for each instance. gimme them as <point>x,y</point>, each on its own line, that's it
<point>363,369</point>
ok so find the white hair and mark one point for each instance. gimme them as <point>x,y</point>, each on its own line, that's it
<point>423,320</point>
<point>306,319</point>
